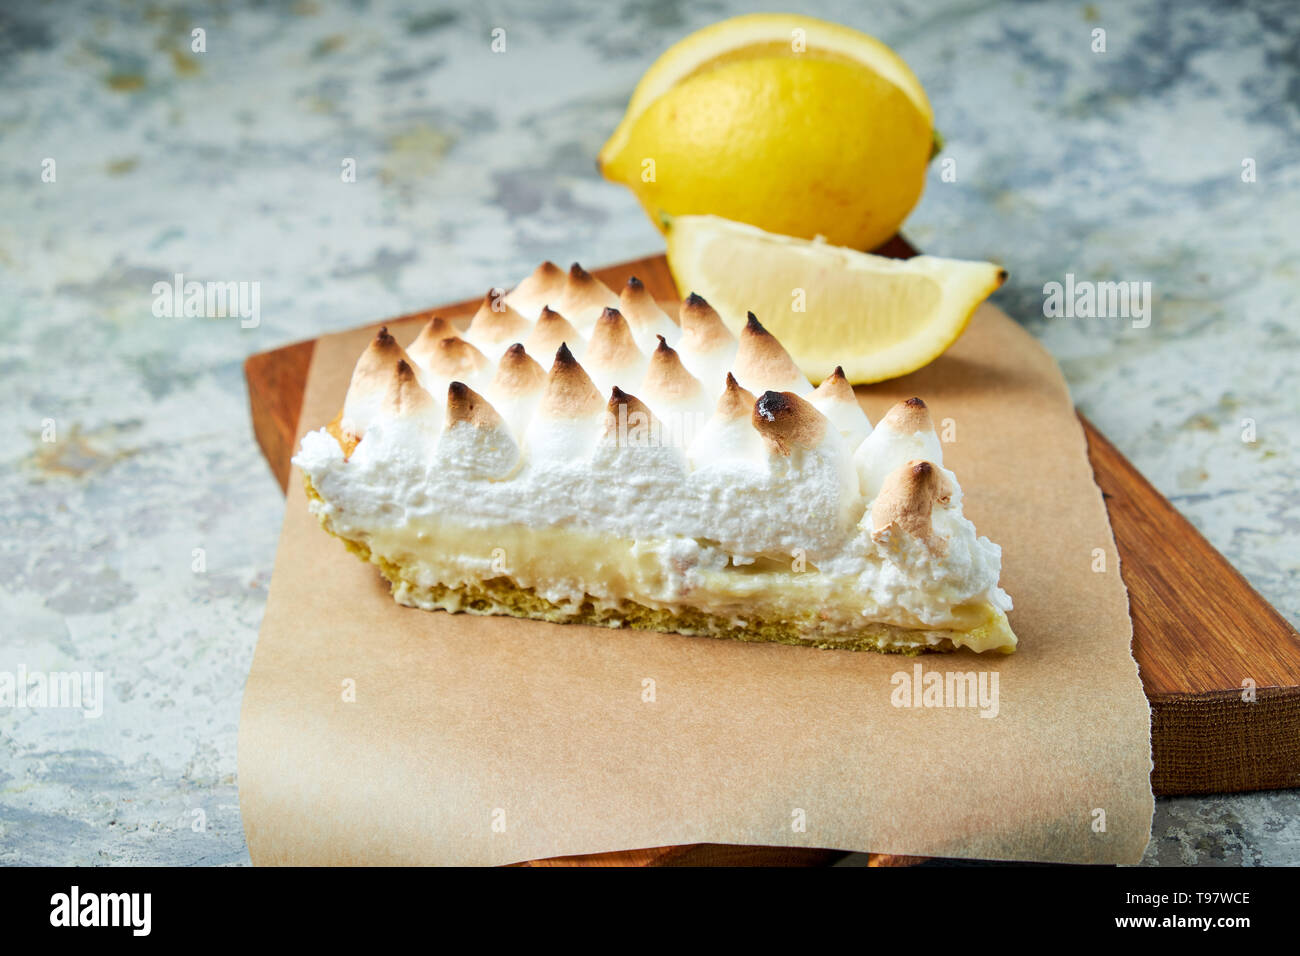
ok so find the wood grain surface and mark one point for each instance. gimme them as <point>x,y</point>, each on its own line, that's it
<point>1220,666</point>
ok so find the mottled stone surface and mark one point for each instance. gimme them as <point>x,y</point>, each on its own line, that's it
<point>471,166</point>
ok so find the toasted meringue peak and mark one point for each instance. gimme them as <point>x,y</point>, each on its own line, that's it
<point>619,397</point>
<point>434,331</point>
<point>518,374</point>
<point>371,376</point>
<point>702,327</point>
<point>786,422</point>
<point>643,314</point>
<point>611,341</point>
<point>496,323</point>
<point>907,499</point>
<point>476,440</point>
<point>629,423</point>
<point>635,296</point>
<point>405,394</point>
<point>707,347</point>
<point>382,352</point>
<point>728,437</point>
<point>466,405</point>
<point>570,393</point>
<point>736,401</point>
<point>612,357</point>
<point>517,388</point>
<point>584,297</point>
<point>835,387</point>
<point>551,331</point>
<point>454,358</point>
<point>834,398</point>
<point>544,286</point>
<point>908,417</point>
<point>904,434</point>
<point>762,362</point>
<point>668,381</point>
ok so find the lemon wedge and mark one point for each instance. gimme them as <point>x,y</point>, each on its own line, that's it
<point>879,318</point>
<point>787,122</point>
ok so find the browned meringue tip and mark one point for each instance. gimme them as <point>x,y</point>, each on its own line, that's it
<point>549,332</point>
<point>761,358</point>
<point>667,377</point>
<point>375,364</point>
<point>908,417</point>
<point>634,290</point>
<point>496,321</point>
<point>434,331</point>
<point>564,359</point>
<point>580,283</point>
<point>786,421</point>
<point>629,419</point>
<point>702,327</point>
<point>405,394</point>
<point>619,397</point>
<point>634,405</point>
<point>453,357</point>
<point>373,377</point>
<point>696,305</point>
<point>544,276</point>
<point>736,401</point>
<point>907,498</point>
<point>466,405</point>
<point>582,290</point>
<point>613,319</point>
<point>517,373</point>
<point>638,304</point>
<point>541,280</point>
<point>570,392</point>
<point>611,341</point>
<point>835,387</point>
<point>385,345</point>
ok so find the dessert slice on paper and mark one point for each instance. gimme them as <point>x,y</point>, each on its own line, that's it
<point>579,456</point>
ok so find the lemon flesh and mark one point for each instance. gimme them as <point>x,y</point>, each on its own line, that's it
<point>831,139</point>
<point>876,317</point>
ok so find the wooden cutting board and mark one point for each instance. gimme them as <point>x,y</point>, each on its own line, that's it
<point>1199,630</point>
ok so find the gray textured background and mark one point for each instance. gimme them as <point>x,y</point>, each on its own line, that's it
<point>472,167</point>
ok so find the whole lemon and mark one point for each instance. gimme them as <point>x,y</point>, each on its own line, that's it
<point>791,124</point>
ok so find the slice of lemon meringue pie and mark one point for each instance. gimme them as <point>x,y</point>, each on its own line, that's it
<point>579,456</point>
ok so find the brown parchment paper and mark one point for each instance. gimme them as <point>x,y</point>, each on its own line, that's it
<point>487,740</point>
